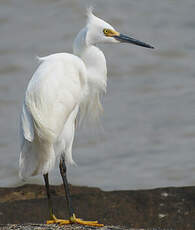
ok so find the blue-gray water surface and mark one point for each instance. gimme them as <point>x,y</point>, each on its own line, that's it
<point>147,134</point>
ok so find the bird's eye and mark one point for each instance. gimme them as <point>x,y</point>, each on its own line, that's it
<point>106,31</point>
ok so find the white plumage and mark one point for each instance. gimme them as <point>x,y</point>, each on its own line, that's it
<point>63,85</point>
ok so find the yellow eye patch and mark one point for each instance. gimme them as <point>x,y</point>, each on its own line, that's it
<point>110,33</point>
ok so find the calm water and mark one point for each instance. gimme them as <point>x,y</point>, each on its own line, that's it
<point>147,135</point>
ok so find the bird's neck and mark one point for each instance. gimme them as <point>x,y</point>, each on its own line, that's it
<point>95,63</point>
<point>94,60</point>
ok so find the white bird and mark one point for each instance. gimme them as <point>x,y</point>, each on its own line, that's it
<point>62,86</point>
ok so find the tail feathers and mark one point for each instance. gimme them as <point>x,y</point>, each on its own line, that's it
<point>36,159</point>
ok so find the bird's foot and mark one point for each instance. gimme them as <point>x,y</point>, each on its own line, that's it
<point>74,220</point>
<point>55,220</point>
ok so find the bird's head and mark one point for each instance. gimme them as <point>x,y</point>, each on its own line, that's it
<point>99,31</point>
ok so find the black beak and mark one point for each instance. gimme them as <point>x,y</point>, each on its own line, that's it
<point>126,39</point>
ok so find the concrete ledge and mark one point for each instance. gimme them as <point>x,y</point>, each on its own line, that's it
<point>155,209</point>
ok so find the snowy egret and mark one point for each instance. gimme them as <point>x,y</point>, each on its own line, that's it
<point>62,86</point>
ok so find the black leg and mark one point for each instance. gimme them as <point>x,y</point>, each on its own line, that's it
<point>66,186</point>
<point>72,218</point>
<point>50,205</point>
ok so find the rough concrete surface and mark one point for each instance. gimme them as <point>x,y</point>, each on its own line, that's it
<point>56,227</point>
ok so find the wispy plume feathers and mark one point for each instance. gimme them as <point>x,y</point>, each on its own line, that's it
<point>89,12</point>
